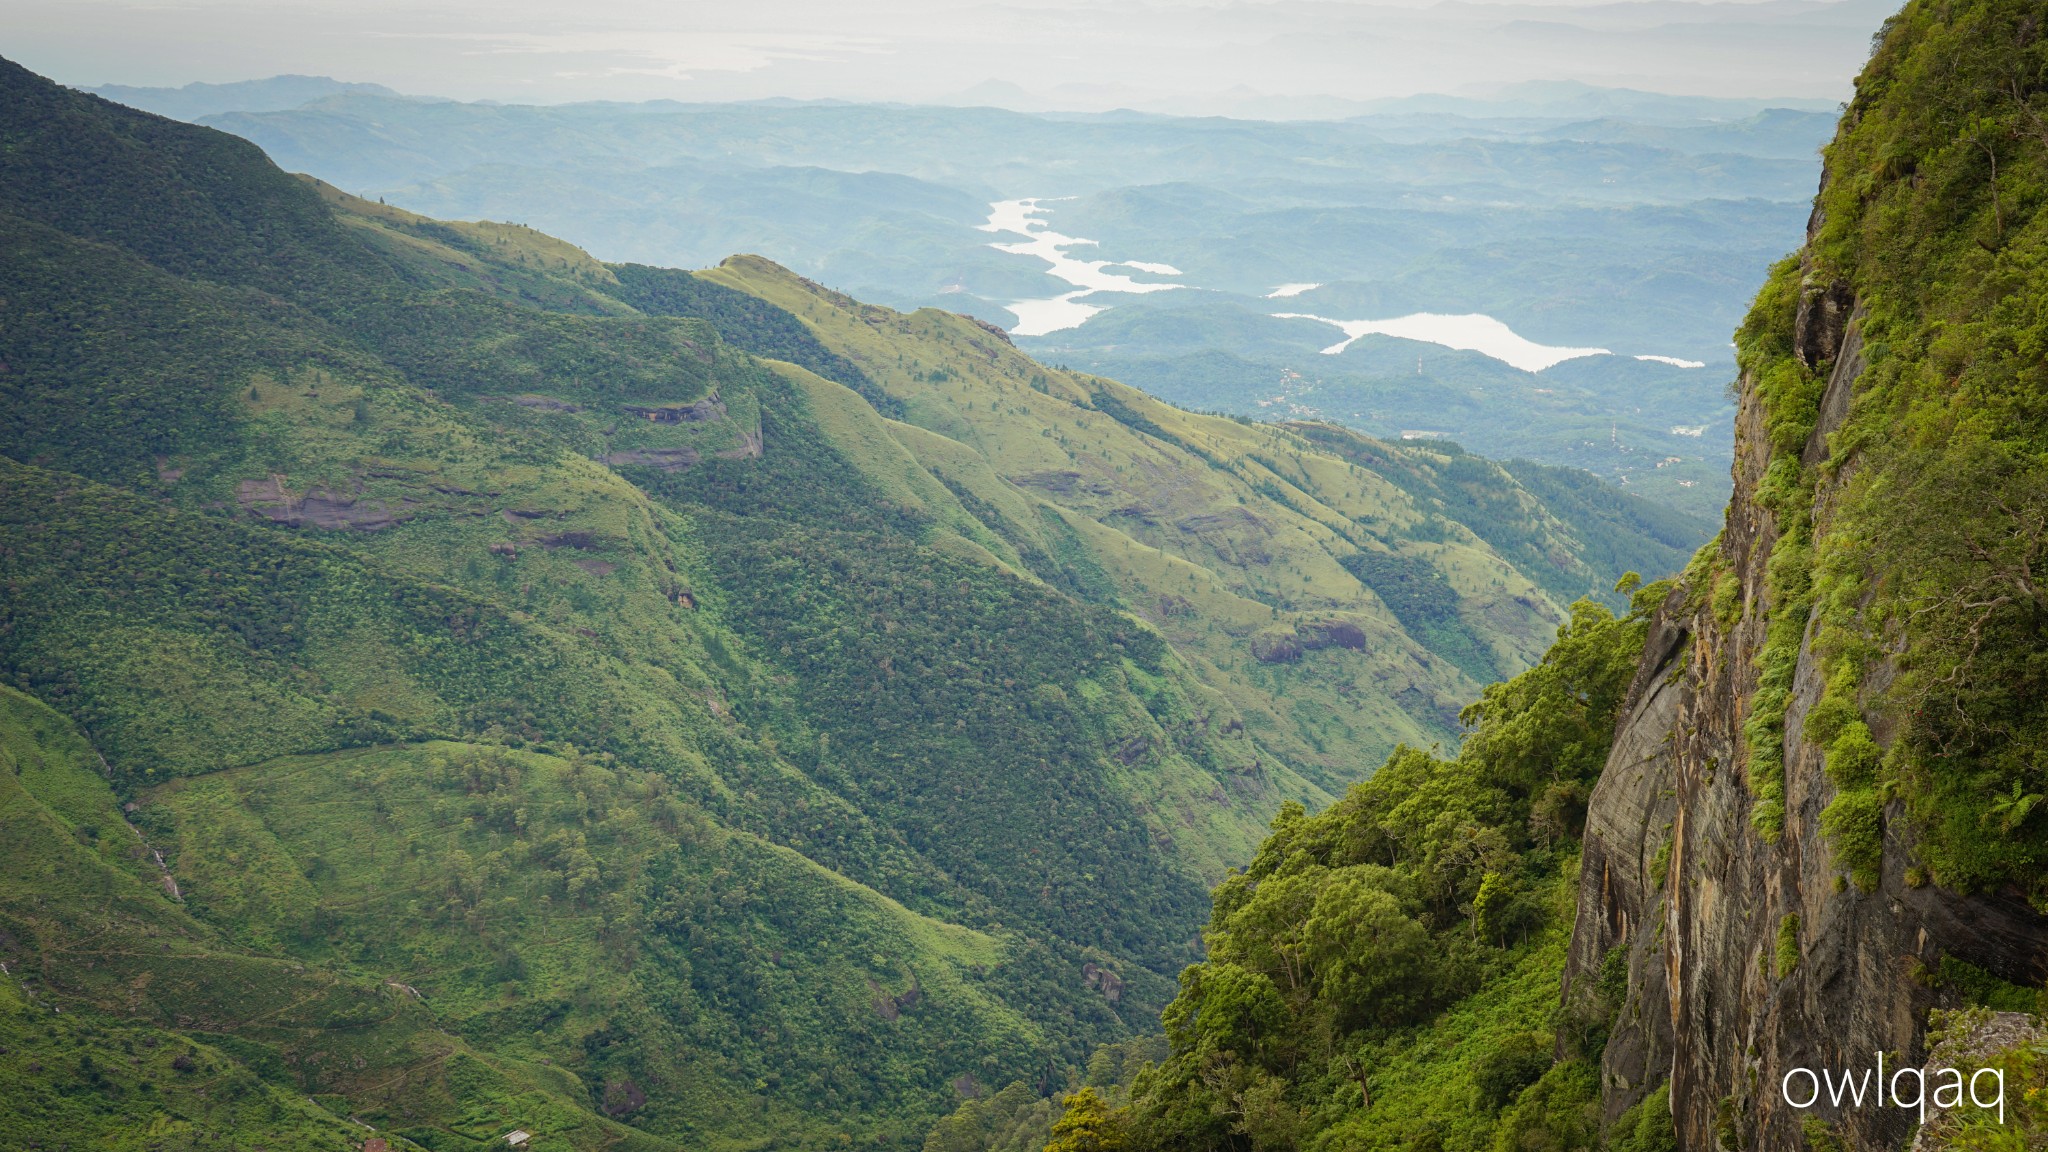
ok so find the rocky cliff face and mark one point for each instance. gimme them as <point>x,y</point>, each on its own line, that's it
<point>1748,956</point>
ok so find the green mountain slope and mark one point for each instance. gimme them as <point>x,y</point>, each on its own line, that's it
<point>1253,548</point>
<point>133,1023</point>
<point>642,708</point>
<point>1384,974</point>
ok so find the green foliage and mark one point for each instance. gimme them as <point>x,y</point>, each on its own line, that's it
<point>200,204</point>
<point>1820,1135</point>
<point>1500,1074</point>
<point>1613,532</point>
<point>1502,910</point>
<point>94,935</point>
<point>660,951</point>
<point>1853,823</point>
<point>172,638</point>
<point>1015,1119</point>
<point>1788,944</point>
<point>806,479</point>
<point>1560,1111</point>
<point>1727,1125</point>
<point>1727,599</point>
<point>1789,393</point>
<point>879,636</point>
<point>1429,889</point>
<point>1977,987</point>
<point>1086,1126</point>
<point>1426,605</point>
<point>130,1088</point>
<point>1647,1126</point>
<point>744,321</point>
<point>1620,531</point>
<point>2020,1121</point>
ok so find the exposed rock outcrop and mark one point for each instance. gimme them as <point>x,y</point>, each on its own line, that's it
<point>1749,956</point>
<point>661,459</point>
<point>706,411</point>
<point>320,507</point>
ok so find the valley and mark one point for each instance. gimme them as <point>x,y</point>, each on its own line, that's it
<point>464,686</point>
<point>640,707</point>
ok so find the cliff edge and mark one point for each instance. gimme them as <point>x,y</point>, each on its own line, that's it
<point>1817,821</point>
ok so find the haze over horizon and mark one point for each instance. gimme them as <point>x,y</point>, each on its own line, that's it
<point>1278,59</point>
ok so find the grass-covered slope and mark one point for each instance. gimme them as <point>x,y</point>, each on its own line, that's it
<point>1283,562</point>
<point>132,1023</point>
<point>554,910</point>
<point>553,714</point>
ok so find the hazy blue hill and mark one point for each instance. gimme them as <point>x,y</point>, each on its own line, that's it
<point>979,148</point>
<point>1778,133</point>
<point>1571,99</point>
<point>1645,425</point>
<point>874,233</point>
<point>271,94</point>
<point>1656,278</point>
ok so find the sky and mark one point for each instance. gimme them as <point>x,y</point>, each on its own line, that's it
<point>1190,56</point>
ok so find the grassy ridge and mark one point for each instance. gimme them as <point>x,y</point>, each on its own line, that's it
<point>1228,537</point>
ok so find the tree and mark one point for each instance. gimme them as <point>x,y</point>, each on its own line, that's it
<point>1087,1125</point>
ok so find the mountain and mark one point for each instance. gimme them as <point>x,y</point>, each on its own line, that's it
<point>1572,98</point>
<point>1776,824</point>
<point>1589,220</point>
<point>455,685</point>
<point>271,94</point>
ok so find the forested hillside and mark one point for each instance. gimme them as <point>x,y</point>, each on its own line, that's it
<point>1786,814</point>
<point>1384,974</point>
<point>458,685</point>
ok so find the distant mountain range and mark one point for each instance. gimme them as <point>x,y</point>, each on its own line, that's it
<point>1573,216</point>
<point>274,94</point>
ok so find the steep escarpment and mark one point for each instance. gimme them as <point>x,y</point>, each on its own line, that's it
<point>1818,819</point>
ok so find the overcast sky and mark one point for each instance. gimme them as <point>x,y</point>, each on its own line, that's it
<point>1178,55</point>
